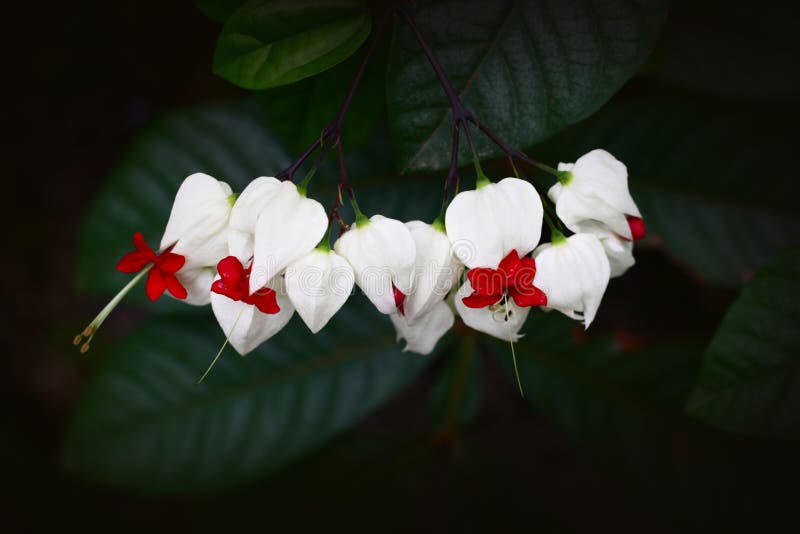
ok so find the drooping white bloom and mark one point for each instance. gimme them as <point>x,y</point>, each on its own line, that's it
<point>573,273</point>
<point>502,320</point>
<point>436,269</point>
<point>485,224</point>
<point>318,284</point>
<point>288,227</point>
<point>197,230</point>
<point>245,213</point>
<point>595,188</point>
<point>422,334</point>
<point>619,251</point>
<point>244,325</point>
<point>382,253</point>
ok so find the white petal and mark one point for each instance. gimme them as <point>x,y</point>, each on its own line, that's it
<point>574,276</point>
<point>485,224</point>
<point>573,209</point>
<point>436,270</point>
<point>197,283</point>
<point>198,220</point>
<point>318,284</point>
<point>500,321</point>
<point>289,226</point>
<point>381,253</point>
<point>245,326</point>
<point>618,251</point>
<point>245,212</point>
<point>600,174</point>
<point>422,335</point>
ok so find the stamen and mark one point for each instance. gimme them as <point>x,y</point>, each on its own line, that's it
<point>513,352</point>
<point>227,339</point>
<point>92,328</point>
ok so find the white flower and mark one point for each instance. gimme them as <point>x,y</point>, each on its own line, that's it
<point>422,335</point>
<point>485,224</point>
<point>436,269</point>
<point>502,320</point>
<point>595,188</point>
<point>197,230</point>
<point>573,273</point>
<point>240,314</point>
<point>245,213</point>
<point>288,227</point>
<point>619,251</point>
<point>318,284</point>
<point>382,253</point>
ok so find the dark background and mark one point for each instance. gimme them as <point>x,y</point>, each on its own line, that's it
<point>85,77</point>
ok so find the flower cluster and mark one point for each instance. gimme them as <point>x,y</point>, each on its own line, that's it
<point>259,256</point>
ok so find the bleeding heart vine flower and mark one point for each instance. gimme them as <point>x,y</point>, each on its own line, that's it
<point>502,320</point>
<point>318,284</point>
<point>247,319</point>
<point>513,278</point>
<point>574,273</point>
<point>382,254</point>
<point>422,334</point>
<point>595,188</point>
<point>436,269</point>
<point>619,251</point>
<point>486,224</point>
<point>289,226</point>
<point>244,215</point>
<point>161,268</point>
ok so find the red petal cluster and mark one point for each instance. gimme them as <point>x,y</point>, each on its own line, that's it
<point>162,274</point>
<point>638,229</point>
<point>234,283</point>
<point>513,277</point>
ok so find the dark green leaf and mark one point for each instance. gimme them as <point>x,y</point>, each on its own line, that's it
<point>456,394</point>
<point>229,142</point>
<point>620,407</point>
<point>267,43</point>
<point>709,177</point>
<point>750,379</point>
<point>298,112</point>
<point>526,69</point>
<point>143,422</point>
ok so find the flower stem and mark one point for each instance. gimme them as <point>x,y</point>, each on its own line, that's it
<point>331,133</point>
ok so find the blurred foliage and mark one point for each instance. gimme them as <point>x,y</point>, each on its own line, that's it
<point>750,380</point>
<point>709,177</point>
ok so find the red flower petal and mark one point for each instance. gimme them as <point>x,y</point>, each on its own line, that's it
<point>265,299</point>
<point>485,281</point>
<point>169,262</point>
<point>155,285</point>
<point>638,229</point>
<point>399,299</point>
<point>528,296</point>
<point>174,286</point>
<point>477,300</point>
<point>509,264</point>
<point>230,269</point>
<point>524,274</point>
<point>142,246</point>
<point>132,262</point>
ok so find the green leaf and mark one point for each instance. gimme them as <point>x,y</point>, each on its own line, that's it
<point>526,69</point>
<point>298,112</point>
<point>456,394</point>
<point>750,379</point>
<point>621,407</point>
<point>267,43</point>
<point>143,423</point>
<point>709,177</point>
<point>229,142</point>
